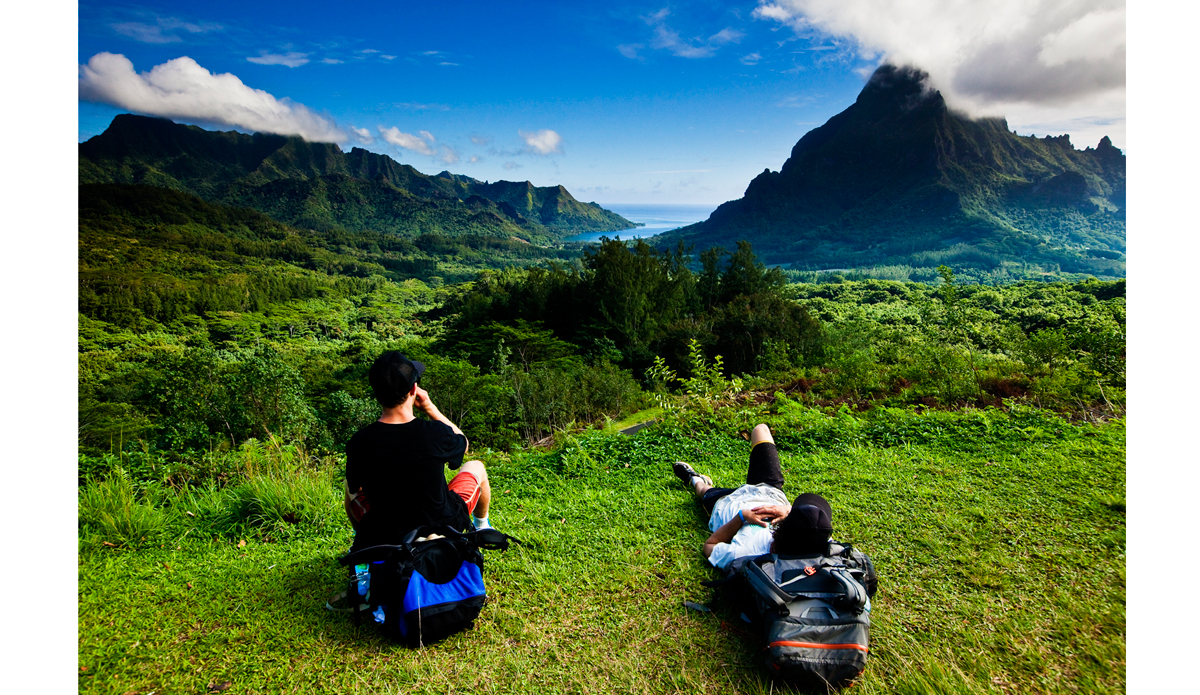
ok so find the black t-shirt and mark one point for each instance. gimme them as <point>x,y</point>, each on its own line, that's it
<point>399,468</point>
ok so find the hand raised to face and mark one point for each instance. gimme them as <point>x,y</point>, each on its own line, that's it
<point>765,514</point>
<point>421,399</point>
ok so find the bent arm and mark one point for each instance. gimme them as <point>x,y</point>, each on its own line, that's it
<point>724,534</point>
<point>424,403</point>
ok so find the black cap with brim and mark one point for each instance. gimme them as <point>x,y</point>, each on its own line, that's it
<point>393,375</point>
<point>811,511</point>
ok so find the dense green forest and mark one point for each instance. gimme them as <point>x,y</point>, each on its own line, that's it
<point>202,327</point>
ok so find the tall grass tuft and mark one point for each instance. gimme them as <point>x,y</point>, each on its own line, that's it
<point>112,512</point>
<point>282,504</point>
<point>282,489</point>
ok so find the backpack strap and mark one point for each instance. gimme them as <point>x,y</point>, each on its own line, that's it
<point>490,539</point>
<point>486,539</point>
<point>852,595</point>
<point>375,552</point>
<point>766,587</point>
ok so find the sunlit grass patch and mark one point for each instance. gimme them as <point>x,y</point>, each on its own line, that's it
<point>999,545</point>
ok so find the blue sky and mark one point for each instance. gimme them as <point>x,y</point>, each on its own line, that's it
<point>621,102</point>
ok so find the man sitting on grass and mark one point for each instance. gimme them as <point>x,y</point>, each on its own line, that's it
<point>741,518</point>
<point>394,476</point>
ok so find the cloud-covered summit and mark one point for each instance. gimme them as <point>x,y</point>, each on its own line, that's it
<point>1045,52</point>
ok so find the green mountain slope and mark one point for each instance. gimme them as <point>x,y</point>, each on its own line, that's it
<point>316,185</point>
<point>149,256</point>
<point>900,178</point>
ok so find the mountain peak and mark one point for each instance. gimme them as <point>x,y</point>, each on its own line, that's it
<point>903,87</point>
<point>898,173</point>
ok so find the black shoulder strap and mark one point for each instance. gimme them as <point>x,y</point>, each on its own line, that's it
<point>375,552</point>
<point>490,539</point>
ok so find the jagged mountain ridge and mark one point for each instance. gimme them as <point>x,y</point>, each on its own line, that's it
<point>317,185</point>
<point>899,175</point>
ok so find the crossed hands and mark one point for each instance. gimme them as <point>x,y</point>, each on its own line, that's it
<point>765,514</point>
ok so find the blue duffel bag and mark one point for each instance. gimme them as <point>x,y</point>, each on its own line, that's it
<point>425,589</point>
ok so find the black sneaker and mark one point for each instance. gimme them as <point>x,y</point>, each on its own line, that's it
<point>688,474</point>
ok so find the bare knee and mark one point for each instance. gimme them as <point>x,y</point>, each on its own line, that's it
<point>761,433</point>
<point>476,469</point>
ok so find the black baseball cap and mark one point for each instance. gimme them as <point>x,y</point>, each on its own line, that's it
<point>810,511</point>
<point>392,377</point>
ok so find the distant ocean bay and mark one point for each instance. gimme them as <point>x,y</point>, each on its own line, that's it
<point>658,218</point>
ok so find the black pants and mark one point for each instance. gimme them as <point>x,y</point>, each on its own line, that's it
<point>764,468</point>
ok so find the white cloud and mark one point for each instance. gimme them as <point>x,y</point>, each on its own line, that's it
<point>509,166</point>
<point>181,88</point>
<point>331,61</point>
<point>363,135</point>
<point>449,155</point>
<point>543,142</point>
<point>1093,37</point>
<point>475,159</point>
<point>421,107</point>
<point>162,31</point>
<point>630,50</point>
<point>666,38</point>
<point>425,134</point>
<point>751,59</point>
<point>291,59</point>
<point>408,141</point>
<point>982,55</point>
<point>481,140</point>
<point>445,63</point>
<point>368,50</point>
<point>387,57</point>
<point>725,36</point>
<point>657,16</point>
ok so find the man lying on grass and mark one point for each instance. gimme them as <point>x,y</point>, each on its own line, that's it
<point>394,475</point>
<point>741,519</point>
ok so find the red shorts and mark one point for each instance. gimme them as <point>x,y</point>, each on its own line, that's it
<point>468,487</point>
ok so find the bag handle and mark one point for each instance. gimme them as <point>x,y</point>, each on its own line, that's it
<point>856,595</point>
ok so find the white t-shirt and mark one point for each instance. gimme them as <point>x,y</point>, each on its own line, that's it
<point>751,539</point>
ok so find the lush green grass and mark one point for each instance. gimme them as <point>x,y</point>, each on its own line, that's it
<point>999,540</point>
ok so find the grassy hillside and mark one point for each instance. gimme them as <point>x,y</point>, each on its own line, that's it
<point>999,539</point>
<point>222,367</point>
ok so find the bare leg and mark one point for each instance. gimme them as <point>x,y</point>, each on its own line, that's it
<point>476,469</point>
<point>761,433</point>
